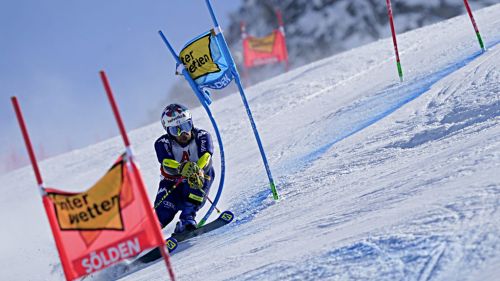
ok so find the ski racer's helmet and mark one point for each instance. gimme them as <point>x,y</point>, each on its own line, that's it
<point>176,119</point>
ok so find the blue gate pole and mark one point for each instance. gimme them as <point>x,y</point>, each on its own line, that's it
<point>234,70</point>
<point>214,124</point>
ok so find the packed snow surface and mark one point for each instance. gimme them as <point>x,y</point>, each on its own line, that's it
<point>379,180</point>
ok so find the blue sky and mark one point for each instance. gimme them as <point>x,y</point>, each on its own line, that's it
<point>51,53</point>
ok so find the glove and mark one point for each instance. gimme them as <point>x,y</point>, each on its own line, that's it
<point>192,173</point>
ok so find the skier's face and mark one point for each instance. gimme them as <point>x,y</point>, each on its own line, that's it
<point>184,138</point>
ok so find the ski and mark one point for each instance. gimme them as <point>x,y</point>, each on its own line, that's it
<point>155,254</point>
<point>223,219</point>
<point>128,267</point>
<point>173,241</point>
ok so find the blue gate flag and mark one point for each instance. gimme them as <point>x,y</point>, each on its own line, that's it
<point>205,62</point>
<point>205,101</point>
<point>227,53</point>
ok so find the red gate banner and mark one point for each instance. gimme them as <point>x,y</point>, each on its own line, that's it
<point>263,50</point>
<point>104,224</point>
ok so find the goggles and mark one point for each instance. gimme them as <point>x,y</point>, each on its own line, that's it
<point>185,127</point>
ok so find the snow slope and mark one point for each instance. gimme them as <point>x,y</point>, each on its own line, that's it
<point>379,180</point>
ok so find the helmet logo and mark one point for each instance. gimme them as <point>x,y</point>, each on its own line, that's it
<point>177,117</point>
<point>171,111</point>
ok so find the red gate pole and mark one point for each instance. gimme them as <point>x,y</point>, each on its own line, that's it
<point>244,36</point>
<point>136,173</point>
<point>27,141</point>
<point>393,31</point>
<point>282,31</point>
<point>39,181</point>
<point>476,29</point>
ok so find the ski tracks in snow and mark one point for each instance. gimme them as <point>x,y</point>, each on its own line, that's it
<point>451,242</point>
<point>365,112</point>
<point>371,109</point>
<point>422,248</point>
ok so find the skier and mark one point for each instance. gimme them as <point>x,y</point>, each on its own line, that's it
<point>184,153</point>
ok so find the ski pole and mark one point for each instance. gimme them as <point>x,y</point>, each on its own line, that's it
<point>181,179</point>
<point>210,200</point>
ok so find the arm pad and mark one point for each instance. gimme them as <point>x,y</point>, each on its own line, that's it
<point>170,166</point>
<point>204,160</point>
<point>170,163</point>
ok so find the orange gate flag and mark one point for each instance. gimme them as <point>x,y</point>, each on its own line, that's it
<point>103,225</point>
<point>263,50</point>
